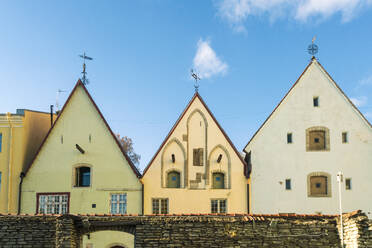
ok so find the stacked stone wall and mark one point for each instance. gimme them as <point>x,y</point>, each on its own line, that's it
<point>190,230</point>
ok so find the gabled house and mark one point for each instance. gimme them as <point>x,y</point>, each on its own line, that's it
<point>313,133</point>
<point>81,168</point>
<point>197,169</point>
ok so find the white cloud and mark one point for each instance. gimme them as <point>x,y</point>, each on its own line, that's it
<point>237,11</point>
<point>206,62</point>
<point>359,101</point>
<point>366,81</point>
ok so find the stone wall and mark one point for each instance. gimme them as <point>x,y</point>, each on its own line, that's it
<point>189,230</point>
<point>357,230</point>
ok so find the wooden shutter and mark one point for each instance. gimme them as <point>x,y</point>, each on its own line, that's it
<point>317,140</point>
<point>318,185</point>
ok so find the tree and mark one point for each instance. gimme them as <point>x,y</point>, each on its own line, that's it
<point>127,145</point>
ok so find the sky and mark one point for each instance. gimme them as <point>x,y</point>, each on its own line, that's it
<point>248,53</point>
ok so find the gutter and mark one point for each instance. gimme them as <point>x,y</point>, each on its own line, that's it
<point>21,176</point>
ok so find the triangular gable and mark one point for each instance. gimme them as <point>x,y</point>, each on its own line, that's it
<point>80,84</point>
<point>196,95</point>
<point>313,60</point>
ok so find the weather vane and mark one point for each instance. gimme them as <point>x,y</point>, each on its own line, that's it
<point>84,72</point>
<point>197,78</point>
<point>313,48</point>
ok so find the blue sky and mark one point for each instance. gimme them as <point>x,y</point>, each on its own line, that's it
<point>247,52</point>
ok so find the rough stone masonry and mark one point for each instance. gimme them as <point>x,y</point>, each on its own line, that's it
<point>189,230</point>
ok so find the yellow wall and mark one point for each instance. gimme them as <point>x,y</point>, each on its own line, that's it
<point>107,239</point>
<point>52,171</point>
<point>202,132</point>
<point>22,134</point>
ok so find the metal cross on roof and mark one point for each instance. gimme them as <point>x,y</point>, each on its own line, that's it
<point>197,78</point>
<point>313,48</point>
<point>84,78</point>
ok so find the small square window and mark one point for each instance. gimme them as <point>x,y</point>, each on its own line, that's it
<point>317,185</point>
<point>348,183</point>
<point>289,138</point>
<point>344,137</point>
<point>316,101</point>
<point>287,184</point>
<point>316,140</point>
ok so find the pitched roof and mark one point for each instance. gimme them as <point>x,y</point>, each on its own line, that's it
<point>196,95</point>
<point>79,83</point>
<point>333,81</point>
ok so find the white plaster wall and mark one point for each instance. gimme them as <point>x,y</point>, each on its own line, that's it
<point>273,160</point>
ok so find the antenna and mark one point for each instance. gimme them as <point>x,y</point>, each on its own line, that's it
<point>59,91</point>
<point>84,78</point>
<point>313,48</point>
<point>197,78</point>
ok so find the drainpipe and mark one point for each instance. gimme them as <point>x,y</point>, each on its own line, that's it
<point>21,176</point>
<point>10,160</point>
<point>51,115</point>
<point>143,198</point>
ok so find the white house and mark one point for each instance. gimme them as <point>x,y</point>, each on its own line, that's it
<point>294,157</point>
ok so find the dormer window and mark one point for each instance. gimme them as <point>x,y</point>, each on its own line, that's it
<point>316,101</point>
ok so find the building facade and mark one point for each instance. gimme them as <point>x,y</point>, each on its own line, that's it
<point>196,169</point>
<point>21,134</point>
<point>313,133</point>
<point>82,169</point>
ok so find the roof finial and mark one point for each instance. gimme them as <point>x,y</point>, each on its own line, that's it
<point>84,78</point>
<point>197,78</point>
<point>313,48</point>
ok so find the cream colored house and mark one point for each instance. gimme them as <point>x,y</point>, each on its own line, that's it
<point>314,132</point>
<point>81,168</point>
<point>21,134</point>
<point>196,169</point>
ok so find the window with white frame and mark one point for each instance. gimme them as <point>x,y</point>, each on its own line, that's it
<point>218,206</point>
<point>52,203</point>
<point>118,203</point>
<point>160,205</point>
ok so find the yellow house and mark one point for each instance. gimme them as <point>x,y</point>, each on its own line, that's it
<point>82,169</point>
<point>197,169</point>
<point>20,136</point>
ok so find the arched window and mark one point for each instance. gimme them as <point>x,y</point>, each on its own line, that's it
<point>173,179</point>
<point>319,184</point>
<point>82,176</point>
<point>218,180</point>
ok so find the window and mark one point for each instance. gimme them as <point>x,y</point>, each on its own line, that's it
<point>82,176</point>
<point>316,101</point>
<point>287,184</point>
<point>218,180</point>
<point>118,204</point>
<point>317,139</point>
<point>198,157</point>
<point>289,138</point>
<point>344,137</point>
<point>53,203</point>
<point>160,206</point>
<point>173,179</point>
<point>218,206</point>
<point>1,141</point>
<point>348,183</point>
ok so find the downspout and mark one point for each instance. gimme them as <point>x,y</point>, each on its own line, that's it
<point>10,160</point>
<point>21,176</point>
<point>143,198</point>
